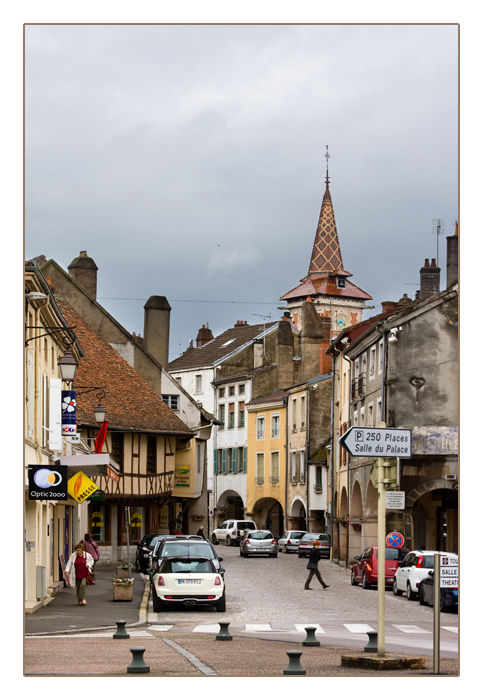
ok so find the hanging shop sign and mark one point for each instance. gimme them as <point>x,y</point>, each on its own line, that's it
<point>81,487</point>
<point>69,403</point>
<point>182,476</point>
<point>46,484</point>
<point>97,496</point>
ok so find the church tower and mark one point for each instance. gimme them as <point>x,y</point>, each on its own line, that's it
<point>327,283</point>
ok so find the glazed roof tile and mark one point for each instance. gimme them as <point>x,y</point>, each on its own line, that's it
<point>130,402</point>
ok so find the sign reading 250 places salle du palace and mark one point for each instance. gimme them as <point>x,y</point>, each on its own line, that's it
<point>377,442</point>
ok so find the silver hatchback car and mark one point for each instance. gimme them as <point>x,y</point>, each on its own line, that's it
<point>258,542</point>
<point>289,541</point>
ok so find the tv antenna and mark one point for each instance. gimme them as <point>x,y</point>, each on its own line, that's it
<point>438,230</point>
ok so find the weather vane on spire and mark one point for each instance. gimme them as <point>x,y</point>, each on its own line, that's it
<point>327,156</point>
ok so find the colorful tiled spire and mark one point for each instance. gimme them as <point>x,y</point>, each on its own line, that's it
<point>326,255</point>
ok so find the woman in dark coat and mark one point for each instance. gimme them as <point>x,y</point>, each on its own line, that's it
<point>313,566</point>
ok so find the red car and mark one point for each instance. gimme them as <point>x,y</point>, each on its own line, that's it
<point>365,569</point>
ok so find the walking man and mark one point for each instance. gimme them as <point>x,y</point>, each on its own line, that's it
<point>313,566</point>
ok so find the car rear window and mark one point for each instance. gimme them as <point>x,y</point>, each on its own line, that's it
<point>187,566</point>
<point>242,525</point>
<point>428,561</point>
<point>394,554</point>
<point>172,549</point>
<point>260,536</point>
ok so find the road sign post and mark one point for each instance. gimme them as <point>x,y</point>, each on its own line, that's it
<point>383,444</point>
<point>436,612</point>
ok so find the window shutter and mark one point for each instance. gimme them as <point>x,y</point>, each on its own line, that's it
<point>245,460</point>
<point>215,461</point>
<point>233,461</point>
<point>55,414</point>
<point>223,461</point>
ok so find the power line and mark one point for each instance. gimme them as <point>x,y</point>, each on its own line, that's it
<point>190,301</point>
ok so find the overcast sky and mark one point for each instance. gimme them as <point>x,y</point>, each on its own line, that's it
<point>188,161</point>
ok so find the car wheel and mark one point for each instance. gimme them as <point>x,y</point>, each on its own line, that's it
<point>365,582</point>
<point>353,579</point>
<point>214,540</point>
<point>220,606</point>
<point>395,589</point>
<point>300,555</point>
<point>411,594</point>
<point>158,605</point>
<point>228,541</point>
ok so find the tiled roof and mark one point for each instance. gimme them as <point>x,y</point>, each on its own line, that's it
<point>130,402</point>
<point>221,346</point>
<point>275,397</point>
<point>324,284</point>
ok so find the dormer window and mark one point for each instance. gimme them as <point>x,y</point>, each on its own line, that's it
<point>341,282</point>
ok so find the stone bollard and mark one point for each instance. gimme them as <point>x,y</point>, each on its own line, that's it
<point>372,643</point>
<point>121,631</point>
<point>137,665</point>
<point>294,668</point>
<point>223,635</point>
<point>310,640</point>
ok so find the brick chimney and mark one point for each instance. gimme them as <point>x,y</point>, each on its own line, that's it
<point>314,342</point>
<point>204,336</point>
<point>284,353</point>
<point>156,328</point>
<point>83,271</point>
<point>452,258</point>
<point>429,276</point>
<point>388,306</point>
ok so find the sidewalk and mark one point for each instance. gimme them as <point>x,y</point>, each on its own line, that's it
<point>64,615</point>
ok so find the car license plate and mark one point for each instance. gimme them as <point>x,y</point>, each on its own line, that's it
<point>389,580</point>
<point>189,580</point>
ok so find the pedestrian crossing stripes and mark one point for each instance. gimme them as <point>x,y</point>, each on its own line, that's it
<point>90,635</point>
<point>300,628</point>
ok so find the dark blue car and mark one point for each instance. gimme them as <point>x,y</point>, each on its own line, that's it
<point>448,597</point>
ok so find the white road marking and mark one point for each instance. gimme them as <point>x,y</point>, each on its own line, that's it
<point>451,629</point>
<point>258,628</point>
<point>301,628</point>
<point>360,629</point>
<point>411,629</point>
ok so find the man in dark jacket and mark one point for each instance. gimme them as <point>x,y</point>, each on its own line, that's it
<point>313,566</point>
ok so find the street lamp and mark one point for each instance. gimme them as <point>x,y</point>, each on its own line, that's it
<point>99,411</point>
<point>67,367</point>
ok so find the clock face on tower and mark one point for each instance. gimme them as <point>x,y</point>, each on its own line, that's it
<point>341,321</point>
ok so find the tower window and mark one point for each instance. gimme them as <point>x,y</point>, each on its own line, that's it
<point>341,282</point>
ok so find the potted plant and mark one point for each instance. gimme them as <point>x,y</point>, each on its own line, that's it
<point>122,570</point>
<point>122,588</point>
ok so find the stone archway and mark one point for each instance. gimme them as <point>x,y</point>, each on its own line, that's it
<point>431,516</point>
<point>355,520</point>
<point>229,505</point>
<point>297,518</point>
<point>268,515</point>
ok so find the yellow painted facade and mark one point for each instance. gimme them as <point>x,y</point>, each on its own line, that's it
<point>266,464</point>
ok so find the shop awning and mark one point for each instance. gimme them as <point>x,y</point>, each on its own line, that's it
<point>92,465</point>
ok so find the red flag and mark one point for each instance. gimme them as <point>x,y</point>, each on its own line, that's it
<point>101,437</point>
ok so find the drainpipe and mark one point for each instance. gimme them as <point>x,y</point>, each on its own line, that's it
<point>307,443</point>
<point>285,518</point>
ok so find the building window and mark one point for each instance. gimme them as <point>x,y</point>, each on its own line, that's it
<point>231,391</point>
<point>302,467</point>
<point>261,428</point>
<point>318,479</point>
<point>198,459</point>
<point>293,467</point>
<point>302,412</point>
<point>221,415</point>
<point>341,282</point>
<point>370,415</point>
<point>372,361</point>
<point>172,400</point>
<point>241,389</point>
<point>221,392</point>
<point>379,410</point>
<point>241,414</point>
<point>260,477</point>
<point>231,415</point>
<point>117,449</point>
<point>151,454</point>
<point>198,384</point>
<point>242,460</point>
<point>275,468</point>
<point>381,357</point>
<point>294,416</point>
<point>275,426</point>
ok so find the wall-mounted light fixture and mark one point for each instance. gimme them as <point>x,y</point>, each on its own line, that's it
<point>99,412</point>
<point>67,367</point>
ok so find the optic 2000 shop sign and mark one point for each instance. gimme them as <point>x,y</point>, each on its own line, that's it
<point>46,484</point>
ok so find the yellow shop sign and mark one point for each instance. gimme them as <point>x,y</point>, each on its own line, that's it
<point>81,487</point>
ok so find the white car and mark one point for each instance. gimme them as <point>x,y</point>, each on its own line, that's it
<point>231,531</point>
<point>413,569</point>
<point>190,581</point>
<point>289,542</point>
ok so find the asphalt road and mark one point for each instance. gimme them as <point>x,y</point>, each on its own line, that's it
<point>266,597</point>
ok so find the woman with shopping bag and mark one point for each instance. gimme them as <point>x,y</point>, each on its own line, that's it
<point>79,572</point>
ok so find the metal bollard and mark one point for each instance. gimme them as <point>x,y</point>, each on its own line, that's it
<point>137,665</point>
<point>372,644</point>
<point>121,631</point>
<point>310,640</point>
<point>294,668</point>
<point>223,635</point>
